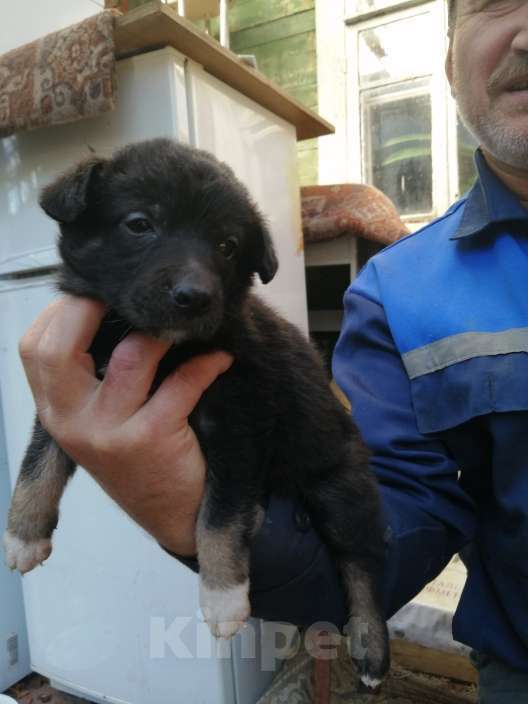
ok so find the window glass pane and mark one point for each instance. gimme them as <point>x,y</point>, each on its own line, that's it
<point>396,50</point>
<point>466,166</point>
<point>397,144</point>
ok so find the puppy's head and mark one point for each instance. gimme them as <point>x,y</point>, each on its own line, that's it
<point>163,233</point>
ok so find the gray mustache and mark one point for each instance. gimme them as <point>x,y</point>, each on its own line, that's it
<point>515,69</point>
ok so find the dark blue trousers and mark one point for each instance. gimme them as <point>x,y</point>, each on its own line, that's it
<point>499,683</point>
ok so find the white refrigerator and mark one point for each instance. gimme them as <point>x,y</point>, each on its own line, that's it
<point>14,649</point>
<point>110,616</point>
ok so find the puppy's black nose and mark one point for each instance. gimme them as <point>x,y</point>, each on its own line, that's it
<point>191,298</point>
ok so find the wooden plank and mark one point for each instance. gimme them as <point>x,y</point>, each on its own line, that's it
<point>254,12</point>
<point>413,687</point>
<point>156,25</point>
<point>305,94</point>
<point>292,64</point>
<point>289,62</point>
<point>434,662</point>
<point>277,29</point>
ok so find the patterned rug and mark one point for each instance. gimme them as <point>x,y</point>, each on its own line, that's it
<point>65,76</point>
<point>349,209</point>
<point>294,684</point>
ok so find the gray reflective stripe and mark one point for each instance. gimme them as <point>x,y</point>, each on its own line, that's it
<point>458,348</point>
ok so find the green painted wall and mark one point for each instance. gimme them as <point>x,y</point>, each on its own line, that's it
<point>281,34</point>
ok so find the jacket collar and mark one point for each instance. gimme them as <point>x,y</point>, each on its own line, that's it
<point>488,203</point>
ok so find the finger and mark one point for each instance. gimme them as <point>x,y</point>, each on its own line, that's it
<point>129,376</point>
<point>176,398</point>
<point>29,342</point>
<point>65,368</point>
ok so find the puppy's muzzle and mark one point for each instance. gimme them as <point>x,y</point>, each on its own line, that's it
<point>184,298</point>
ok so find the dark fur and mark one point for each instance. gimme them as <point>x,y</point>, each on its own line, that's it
<point>269,424</point>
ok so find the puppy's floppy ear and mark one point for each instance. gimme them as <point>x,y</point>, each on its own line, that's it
<point>65,199</point>
<point>265,261</point>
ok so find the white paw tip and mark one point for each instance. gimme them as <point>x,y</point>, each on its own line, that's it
<point>225,629</point>
<point>371,682</point>
<point>24,556</point>
<point>226,610</point>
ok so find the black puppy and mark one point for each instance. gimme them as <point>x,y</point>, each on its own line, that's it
<point>170,240</point>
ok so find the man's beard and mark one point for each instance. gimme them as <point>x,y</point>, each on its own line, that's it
<point>505,143</point>
<point>493,129</point>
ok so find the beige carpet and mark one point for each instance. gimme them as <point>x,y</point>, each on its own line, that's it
<point>294,685</point>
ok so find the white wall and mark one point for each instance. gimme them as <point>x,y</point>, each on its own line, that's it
<point>23,21</point>
<point>332,95</point>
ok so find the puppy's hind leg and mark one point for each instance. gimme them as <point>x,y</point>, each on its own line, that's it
<point>34,510</point>
<point>345,508</point>
<point>223,539</point>
<point>366,629</point>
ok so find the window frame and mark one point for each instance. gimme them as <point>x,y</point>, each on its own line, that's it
<point>443,108</point>
<point>351,15</point>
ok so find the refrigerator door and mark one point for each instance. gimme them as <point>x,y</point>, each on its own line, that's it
<point>14,650</point>
<point>110,615</point>
<point>106,612</point>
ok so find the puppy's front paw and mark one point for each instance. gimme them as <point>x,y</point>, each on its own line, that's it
<point>24,556</point>
<point>225,610</point>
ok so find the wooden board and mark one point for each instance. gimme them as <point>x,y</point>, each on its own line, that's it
<point>404,686</point>
<point>434,662</point>
<point>250,13</point>
<point>290,62</point>
<point>281,28</point>
<point>156,25</point>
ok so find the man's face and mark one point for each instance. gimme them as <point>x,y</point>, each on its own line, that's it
<point>487,67</point>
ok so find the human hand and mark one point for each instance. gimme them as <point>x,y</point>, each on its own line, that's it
<point>142,452</point>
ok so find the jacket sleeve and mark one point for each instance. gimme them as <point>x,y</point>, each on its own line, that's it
<point>428,516</point>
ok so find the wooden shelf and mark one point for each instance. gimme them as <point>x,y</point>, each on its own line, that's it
<point>157,25</point>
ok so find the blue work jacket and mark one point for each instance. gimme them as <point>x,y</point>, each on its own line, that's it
<point>433,357</point>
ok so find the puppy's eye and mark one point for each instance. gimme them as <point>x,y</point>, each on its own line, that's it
<point>228,247</point>
<point>137,224</point>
